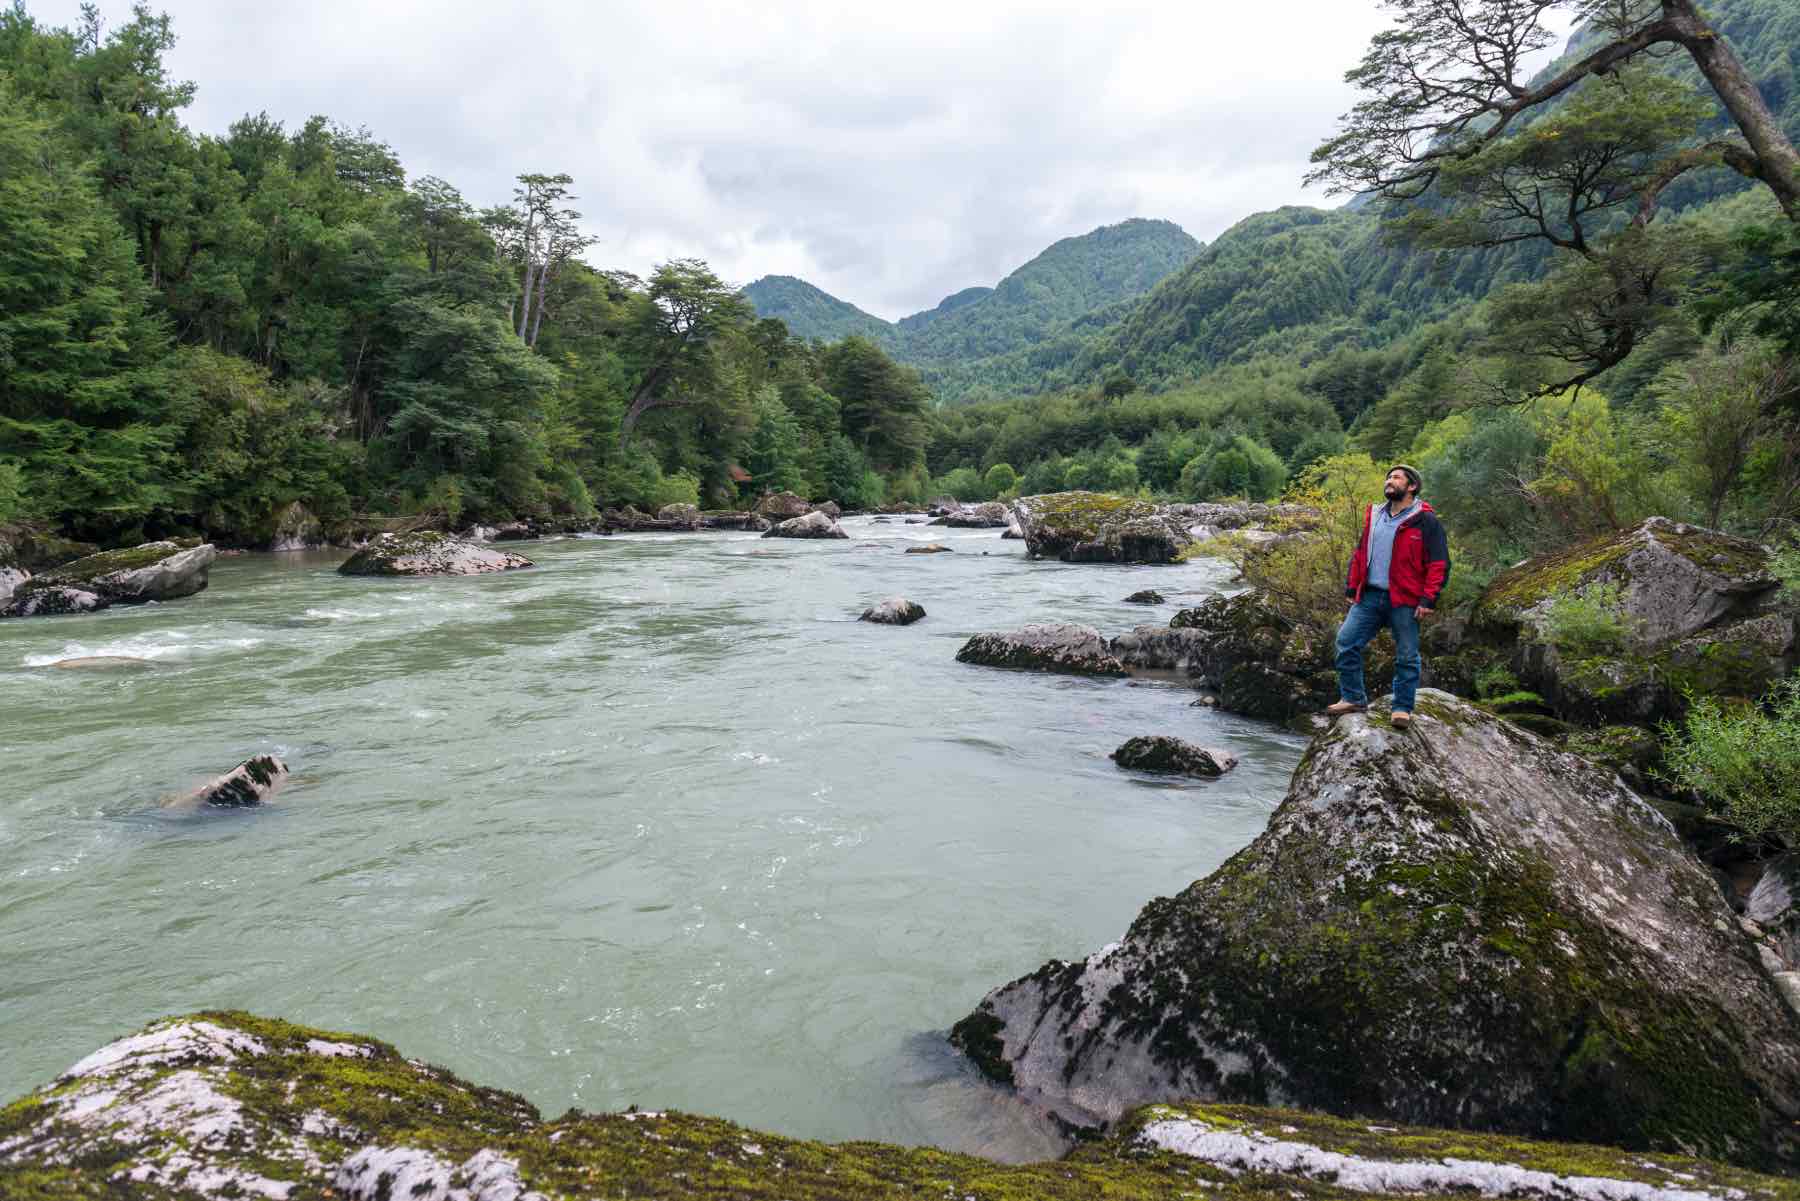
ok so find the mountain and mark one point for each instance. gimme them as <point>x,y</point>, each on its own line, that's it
<point>1070,281</point>
<point>811,312</point>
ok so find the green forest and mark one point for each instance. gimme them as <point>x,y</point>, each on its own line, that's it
<point>1569,319</point>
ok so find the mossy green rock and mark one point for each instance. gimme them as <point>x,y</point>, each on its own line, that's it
<point>1094,527</point>
<point>1453,925</point>
<point>429,553</point>
<point>1697,609</point>
<point>154,571</point>
<point>1257,664</point>
<point>225,1104</point>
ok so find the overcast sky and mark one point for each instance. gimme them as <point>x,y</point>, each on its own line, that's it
<point>890,154</point>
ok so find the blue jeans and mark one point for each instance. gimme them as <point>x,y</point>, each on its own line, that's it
<point>1367,618</point>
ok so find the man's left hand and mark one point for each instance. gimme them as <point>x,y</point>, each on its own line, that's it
<point>1422,611</point>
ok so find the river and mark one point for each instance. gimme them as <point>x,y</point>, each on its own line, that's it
<point>655,823</point>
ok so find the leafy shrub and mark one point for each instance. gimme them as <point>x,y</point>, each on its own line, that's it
<point>1784,565</point>
<point>682,488</point>
<point>1588,621</point>
<point>1491,682</point>
<point>1000,479</point>
<point>1743,761</point>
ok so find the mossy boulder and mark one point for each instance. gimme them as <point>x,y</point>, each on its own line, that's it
<point>985,516</point>
<point>1094,527</point>
<point>225,1104</point>
<point>1454,925</point>
<point>779,506</point>
<point>154,571</point>
<point>429,553</point>
<point>1696,612</point>
<point>1259,664</point>
<point>1146,596</point>
<point>1058,647</point>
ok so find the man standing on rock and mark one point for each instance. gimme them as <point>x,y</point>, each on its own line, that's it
<point>1399,570</point>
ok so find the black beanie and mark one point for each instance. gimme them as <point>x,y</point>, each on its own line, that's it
<point>1412,473</point>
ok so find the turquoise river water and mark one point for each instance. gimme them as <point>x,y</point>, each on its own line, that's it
<point>657,822</point>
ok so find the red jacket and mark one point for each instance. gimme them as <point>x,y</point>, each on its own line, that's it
<point>1421,564</point>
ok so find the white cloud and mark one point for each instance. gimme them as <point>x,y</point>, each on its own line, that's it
<point>889,154</point>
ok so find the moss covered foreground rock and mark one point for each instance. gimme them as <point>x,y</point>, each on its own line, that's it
<point>230,1105</point>
<point>1458,925</point>
<point>154,571</point>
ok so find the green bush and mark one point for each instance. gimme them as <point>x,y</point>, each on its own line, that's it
<point>1744,762</point>
<point>682,488</point>
<point>1587,621</point>
<point>1784,565</point>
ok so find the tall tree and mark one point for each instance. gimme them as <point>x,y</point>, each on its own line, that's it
<point>675,333</point>
<point>1451,79</point>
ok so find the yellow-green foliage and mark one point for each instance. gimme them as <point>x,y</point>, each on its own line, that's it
<point>1743,760</point>
<point>1303,578</point>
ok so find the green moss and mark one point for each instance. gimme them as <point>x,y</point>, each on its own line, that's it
<point>110,561</point>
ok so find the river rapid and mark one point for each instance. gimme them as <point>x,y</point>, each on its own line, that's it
<point>657,822</point>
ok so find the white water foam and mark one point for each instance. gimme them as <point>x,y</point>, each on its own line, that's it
<point>172,645</point>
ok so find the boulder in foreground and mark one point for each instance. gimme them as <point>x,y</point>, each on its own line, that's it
<point>1093,527</point>
<point>1456,925</point>
<point>225,1104</point>
<point>812,525</point>
<point>1172,756</point>
<point>428,553</point>
<point>894,611</point>
<point>1070,649</point>
<point>154,571</point>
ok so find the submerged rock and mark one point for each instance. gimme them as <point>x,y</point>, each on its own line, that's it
<point>1161,753</point>
<point>812,525</point>
<point>245,786</point>
<point>1148,596</point>
<point>1456,924</point>
<point>428,553</point>
<point>154,571</point>
<point>894,611</point>
<point>930,548</point>
<point>100,663</point>
<point>1070,649</point>
<point>226,1104</point>
<point>1092,527</point>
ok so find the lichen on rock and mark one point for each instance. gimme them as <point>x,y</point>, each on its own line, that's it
<point>225,1104</point>
<point>1094,527</point>
<point>1456,925</point>
<point>429,553</point>
<point>153,571</point>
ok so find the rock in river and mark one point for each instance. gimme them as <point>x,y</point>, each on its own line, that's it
<point>229,1104</point>
<point>1458,925</point>
<point>894,611</point>
<point>987,515</point>
<point>930,548</point>
<point>1092,527</point>
<point>1161,753</point>
<point>1148,596</point>
<point>245,786</point>
<point>154,571</point>
<point>427,553</point>
<point>779,506</point>
<point>1070,649</point>
<point>812,525</point>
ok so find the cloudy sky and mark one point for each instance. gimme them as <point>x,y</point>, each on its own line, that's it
<point>890,154</point>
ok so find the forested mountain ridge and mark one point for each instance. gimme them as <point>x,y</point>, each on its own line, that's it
<point>1071,280</point>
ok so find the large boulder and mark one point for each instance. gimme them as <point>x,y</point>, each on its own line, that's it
<point>1774,905</point>
<point>729,519</point>
<point>1163,648</point>
<point>224,1104</point>
<point>154,571</point>
<point>1070,649</point>
<point>1092,527</point>
<point>1456,924</point>
<point>779,506</point>
<point>812,525</point>
<point>829,508</point>
<point>988,515</point>
<point>1697,613</point>
<point>429,553</point>
<point>11,577</point>
<point>1258,664</point>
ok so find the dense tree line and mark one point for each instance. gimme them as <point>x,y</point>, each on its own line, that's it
<point>196,331</point>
